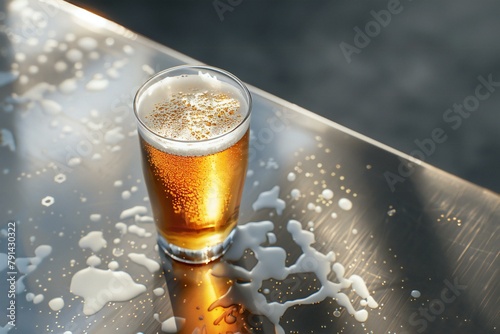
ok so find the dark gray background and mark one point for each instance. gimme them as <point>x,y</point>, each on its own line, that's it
<point>396,89</point>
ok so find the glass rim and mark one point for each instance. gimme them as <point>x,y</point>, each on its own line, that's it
<point>145,86</point>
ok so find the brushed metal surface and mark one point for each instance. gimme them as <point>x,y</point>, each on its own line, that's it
<point>66,86</point>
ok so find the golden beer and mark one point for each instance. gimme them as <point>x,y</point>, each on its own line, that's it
<point>194,138</point>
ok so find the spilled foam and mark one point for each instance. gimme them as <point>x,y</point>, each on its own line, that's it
<point>56,304</point>
<point>271,264</point>
<point>270,200</point>
<point>98,287</point>
<point>143,260</point>
<point>93,240</point>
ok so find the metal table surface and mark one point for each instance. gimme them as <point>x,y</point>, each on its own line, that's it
<point>72,196</point>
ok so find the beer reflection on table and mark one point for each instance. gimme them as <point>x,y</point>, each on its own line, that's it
<point>193,290</point>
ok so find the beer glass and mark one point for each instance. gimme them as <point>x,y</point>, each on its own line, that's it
<point>193,124</point>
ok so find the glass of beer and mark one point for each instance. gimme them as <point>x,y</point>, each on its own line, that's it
<point>193,124</point>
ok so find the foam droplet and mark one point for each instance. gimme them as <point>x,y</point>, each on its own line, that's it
<point>87,43</point>
<point>114,136</point>
<point>121,227</point>
<point>113,265</point>
<point>361,315</point>
<point>30,296</point>
<point>51,107</point>
<point>295,193</point>
<point>74,55</point>
<point>93,261</point>
<point>95,217</point>
<point>327,194</point>
<point>56,304</point>
<point>97,287</point>
<point>97,84</point>
<point>139,231</point>
<point>60,66</point>
<point>269,199</point>
<point>68,86</point>
<point>75,161</point>
<point>38,299</point>
<point>93,240</point>
<point>132,212</point>
<point>345,204</point>
<point>143,260</point>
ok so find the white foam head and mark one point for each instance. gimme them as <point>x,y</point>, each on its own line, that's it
<point>193,114</point>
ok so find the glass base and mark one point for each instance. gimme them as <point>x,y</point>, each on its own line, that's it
<point>198,256</point>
